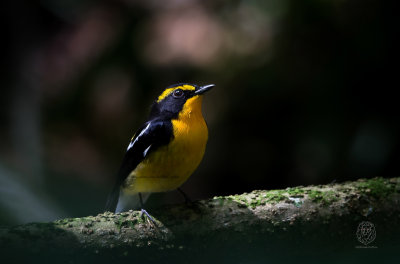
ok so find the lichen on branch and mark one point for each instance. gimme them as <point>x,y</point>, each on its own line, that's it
<point>259,222</point>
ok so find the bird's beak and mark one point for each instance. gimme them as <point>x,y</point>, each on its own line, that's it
<point>203,89</point>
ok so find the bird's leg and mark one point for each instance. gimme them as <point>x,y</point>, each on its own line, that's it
<point>143,211</point>
<point>187,199</point>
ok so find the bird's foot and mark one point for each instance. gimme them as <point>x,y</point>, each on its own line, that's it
<point>144,212</point>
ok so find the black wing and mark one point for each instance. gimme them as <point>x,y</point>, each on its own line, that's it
<point>148,138</point>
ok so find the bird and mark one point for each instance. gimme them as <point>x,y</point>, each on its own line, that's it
<point>165,150</point>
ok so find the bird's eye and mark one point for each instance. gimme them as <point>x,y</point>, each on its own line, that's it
<point>178,93</point>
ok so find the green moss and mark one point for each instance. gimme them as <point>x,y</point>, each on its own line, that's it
<point>376,187</point>
<point>120,222</point>
<point>240,199</point>
<point>275,196</point>
<point>329,197</point>
<point>256,202</point>
<point>315,195</point>
<point>295,192</point>
<point>257,198</point>
<point>221,201</point>
<point>62,221</point>
<point>325,198</point>
<point>125,221</point>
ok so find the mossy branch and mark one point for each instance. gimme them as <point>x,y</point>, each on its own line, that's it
<point>258,223</point>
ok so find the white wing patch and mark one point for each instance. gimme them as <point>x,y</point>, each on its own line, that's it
<point>141,133</point>
<point>145,151</point>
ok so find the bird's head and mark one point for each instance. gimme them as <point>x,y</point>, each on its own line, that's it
<point>177,98</point>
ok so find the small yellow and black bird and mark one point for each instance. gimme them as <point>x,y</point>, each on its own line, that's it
<point>166,150</point>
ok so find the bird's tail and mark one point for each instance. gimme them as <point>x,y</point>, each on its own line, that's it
<point>112,199</point>
<point>118,201</point>
<point>130,201</point>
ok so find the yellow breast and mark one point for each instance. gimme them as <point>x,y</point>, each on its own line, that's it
<point>170,166</point>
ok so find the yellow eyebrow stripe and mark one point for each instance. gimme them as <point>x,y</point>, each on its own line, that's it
<point>170,90</point>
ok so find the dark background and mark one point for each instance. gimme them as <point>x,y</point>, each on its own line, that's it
<point>305,94</point>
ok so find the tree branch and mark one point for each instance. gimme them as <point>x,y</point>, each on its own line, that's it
<point>234,228</point>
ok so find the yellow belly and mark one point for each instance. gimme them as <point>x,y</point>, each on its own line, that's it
<point>170,166</point>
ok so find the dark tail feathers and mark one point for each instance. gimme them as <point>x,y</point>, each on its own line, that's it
<point>112,199</point>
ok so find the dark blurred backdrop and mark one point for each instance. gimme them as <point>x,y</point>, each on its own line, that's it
<point>305,94</point>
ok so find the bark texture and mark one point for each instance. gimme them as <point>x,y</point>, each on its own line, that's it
<point>320,221</point>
